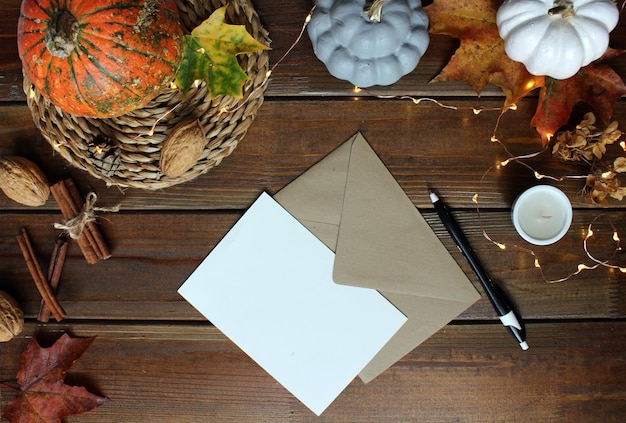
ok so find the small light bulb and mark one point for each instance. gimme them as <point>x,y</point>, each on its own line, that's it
<point>501,246</point>
<point>589,233</point>
<point>616,237</point>
<point>475,198</point>
<point>537,263</point>
<point>513,106</point>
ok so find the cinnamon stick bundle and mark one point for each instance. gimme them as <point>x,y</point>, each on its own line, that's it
<point>89,238</point>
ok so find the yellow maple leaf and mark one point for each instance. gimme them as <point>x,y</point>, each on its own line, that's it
<point>210,55</point>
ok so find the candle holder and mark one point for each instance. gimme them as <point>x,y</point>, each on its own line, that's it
<point>542,214</point>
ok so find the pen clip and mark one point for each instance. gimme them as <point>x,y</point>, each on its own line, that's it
<point>505,299</point>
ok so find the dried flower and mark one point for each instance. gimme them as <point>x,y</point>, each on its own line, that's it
<point>586,143</point>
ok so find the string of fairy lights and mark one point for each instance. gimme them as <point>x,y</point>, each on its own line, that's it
<point>588,233</point>
<point>511,158</point>
<point>520,159</point>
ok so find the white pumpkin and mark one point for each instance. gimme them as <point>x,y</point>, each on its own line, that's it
<point>556,38</point>
<point>366,52</point>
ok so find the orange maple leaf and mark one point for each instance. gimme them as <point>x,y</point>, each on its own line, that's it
<point>480,58</point>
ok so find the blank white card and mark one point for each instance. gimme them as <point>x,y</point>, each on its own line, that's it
<point>268,287</point>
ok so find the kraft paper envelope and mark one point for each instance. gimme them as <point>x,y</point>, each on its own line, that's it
<point>353,204</point>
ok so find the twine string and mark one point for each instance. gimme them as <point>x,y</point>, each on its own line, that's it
<point>74,226</point>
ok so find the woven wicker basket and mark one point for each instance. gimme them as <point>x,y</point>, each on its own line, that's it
<point>124,151</point>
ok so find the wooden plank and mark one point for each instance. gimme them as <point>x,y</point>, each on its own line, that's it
<point>471,373</point>
<point>153,254</point>
<point>301,73</point>
<point>428,146</point>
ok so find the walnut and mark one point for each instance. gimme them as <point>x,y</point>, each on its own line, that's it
<point>23,181</point>
<point>11,317</point>
<point>182,148</point>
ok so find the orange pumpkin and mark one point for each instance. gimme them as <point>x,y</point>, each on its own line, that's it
<point>100,58</point>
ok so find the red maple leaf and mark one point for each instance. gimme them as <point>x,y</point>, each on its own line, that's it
<point>596,84</point>
<point>44,397</point>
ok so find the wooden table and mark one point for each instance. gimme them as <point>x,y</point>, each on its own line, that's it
<point>158,360</point>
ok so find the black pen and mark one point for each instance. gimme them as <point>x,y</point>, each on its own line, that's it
<point>498,299</point>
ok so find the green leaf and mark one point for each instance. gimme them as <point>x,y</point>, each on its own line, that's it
<point>210,55</point>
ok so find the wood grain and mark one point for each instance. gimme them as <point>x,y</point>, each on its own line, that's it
<point>160,361</point>
<point>468,373</point>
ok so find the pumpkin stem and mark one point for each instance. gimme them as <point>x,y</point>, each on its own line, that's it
<point>565,8</point>
<point>374,9</point>
<point>61,33</point>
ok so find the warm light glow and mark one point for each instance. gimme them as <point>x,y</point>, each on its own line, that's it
<point>529,85</point>
<point>623,145</point>
<point>268,73</point>
<point>539,175</point>
<point>475,198</point>
<point>224,109</point>
<point>622,269</point>
<point>548,136</point>
<point>173,85</point>
<point>607,174</point>
<point>476,111</point>
<point>500,245</point>
<point>494,139</point>
<point>357,89</point>
<point>505,162</point>
<point>513,106</point>
<point>197,83</point>
<point>616,237</point>
<point>308,18</point>
<point>582,266</point>
<point>537,263</point>
<point>31,92</point>
<point>589,233</point>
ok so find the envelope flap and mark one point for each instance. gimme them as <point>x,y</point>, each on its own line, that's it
<point>315,198</point>
<point>384,242</point>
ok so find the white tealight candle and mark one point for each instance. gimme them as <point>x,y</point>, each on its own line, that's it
<point>542,214</point>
